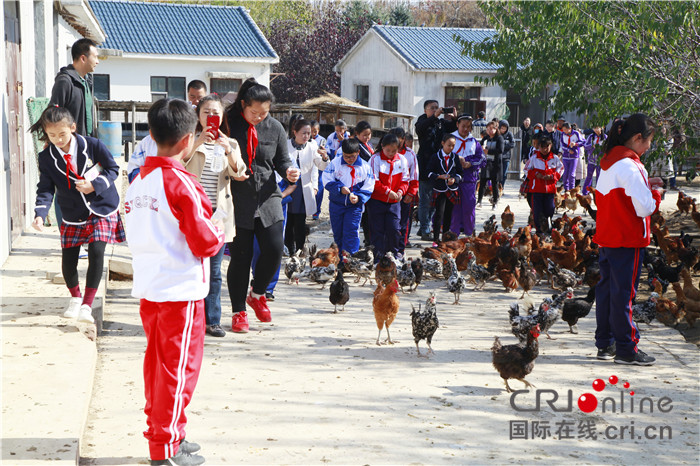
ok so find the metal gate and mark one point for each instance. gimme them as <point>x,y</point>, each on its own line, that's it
<point>15,119</point>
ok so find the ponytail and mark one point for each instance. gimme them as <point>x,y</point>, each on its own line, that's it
<point>52,114</point>
<point>387,140</point>
<point>623,130</point>
<point>249,92</point>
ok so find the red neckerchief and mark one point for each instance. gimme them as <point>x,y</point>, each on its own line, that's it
<point>70,167</point>
<point>464,144</point>
<point>447,162</point>
<point>252,138</point>
<point>352,176</point>
<point>389,161</point>
<point>368,147</point>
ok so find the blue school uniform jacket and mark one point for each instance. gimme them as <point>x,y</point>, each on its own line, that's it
<point>339,174</point>
<point>76,207</point>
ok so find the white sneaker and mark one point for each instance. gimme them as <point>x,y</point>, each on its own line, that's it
<point>73,308</point>
<point>85,314</point>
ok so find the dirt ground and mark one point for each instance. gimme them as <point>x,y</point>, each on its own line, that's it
<point>312,387</point>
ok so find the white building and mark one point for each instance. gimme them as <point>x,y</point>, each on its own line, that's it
<point>153,50</point>
<point>398,68</point>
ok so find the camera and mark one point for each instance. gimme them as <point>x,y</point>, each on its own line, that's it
<point>448,110</point>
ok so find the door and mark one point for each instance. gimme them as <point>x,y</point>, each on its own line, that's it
<point>15,119</point>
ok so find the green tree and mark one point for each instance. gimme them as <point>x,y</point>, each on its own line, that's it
<point>400,15</point>
<point>605,58</point>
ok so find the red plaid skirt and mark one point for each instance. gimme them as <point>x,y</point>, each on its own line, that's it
<point>452,196</point>
<point>108,229</point>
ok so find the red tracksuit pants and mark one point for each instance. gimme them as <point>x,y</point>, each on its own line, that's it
<point>175,343</point>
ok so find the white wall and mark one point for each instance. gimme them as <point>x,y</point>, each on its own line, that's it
<point>4,161</point>
<point>130,78</point>
<point>65,37</point>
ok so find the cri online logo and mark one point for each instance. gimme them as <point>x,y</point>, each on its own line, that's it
<point>588,402</point>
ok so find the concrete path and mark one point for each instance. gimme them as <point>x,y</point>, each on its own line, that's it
<point>312,387</point>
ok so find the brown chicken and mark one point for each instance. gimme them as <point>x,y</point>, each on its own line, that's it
<point>695,215</point>
<point>509,278</point>
<point>523,242</point>
<point>587,203</point>
<point>690,306</point>
<point>516,361</point>
<point>484,250</point>
<point>507,219</point>
<point>567,258</point>
<point>667,312</point>
<point>684,203</point>
<point>690,291</point>
<point>570,201</point>
<point>326,257</point>
<point>558,239</point>
<point>559,198</point>
<point>385,270</point>
<point>385,305</point>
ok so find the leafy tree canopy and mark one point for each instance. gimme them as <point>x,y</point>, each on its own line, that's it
<point>607,58</point>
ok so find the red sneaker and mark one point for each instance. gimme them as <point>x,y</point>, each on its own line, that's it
<point>240,322</point>
<point>262,312</point>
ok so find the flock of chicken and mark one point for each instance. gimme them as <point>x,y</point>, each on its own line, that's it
<point>566,259</point>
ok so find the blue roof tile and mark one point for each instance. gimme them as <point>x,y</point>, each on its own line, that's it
<point>180,29</point>
<point>435,48</point>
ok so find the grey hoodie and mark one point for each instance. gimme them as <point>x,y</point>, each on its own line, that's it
<point>68,92</point>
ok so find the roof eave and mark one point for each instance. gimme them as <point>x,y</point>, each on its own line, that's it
<point>214,58</point>
<point>456,70</point>
<point>80,16</point>
<point>362,40</point>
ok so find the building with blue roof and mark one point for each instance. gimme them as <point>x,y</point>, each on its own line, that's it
<point>152,50</point>
<point>397,68</point>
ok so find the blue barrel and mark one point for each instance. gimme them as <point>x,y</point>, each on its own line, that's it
<point>110,133</point>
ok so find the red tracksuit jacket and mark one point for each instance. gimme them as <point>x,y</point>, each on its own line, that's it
<point>389,175</point>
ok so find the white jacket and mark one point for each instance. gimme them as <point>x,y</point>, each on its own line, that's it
<point>170,233</point>
<point>309,162</point>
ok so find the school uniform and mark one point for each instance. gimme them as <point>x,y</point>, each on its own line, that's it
<point>383,214</point>
<point>581,165</point>
<point>591,147</point>
<point>464,213</point>
<point>333,144</point>
<point>86,217</point>
<point>171,237</point>
<point>571,145</point>
<point>346,216</point>
<point>366,153</point>
<point>444,195</point>
<point>623,231</point>
<point>413,185</point>
<point>309,162</point>
<point>542,191</point>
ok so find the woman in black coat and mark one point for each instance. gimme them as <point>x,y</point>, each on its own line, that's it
<point>493,150</point>
<point>257,201</point>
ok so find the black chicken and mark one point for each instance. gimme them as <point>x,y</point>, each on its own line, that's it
<point>417,267</point>
<point>652,275</point>
<point>385,270</point>
<point>547,318</point>
<point>522,324</point>
<point>578,308</point>
<point>490,225</point>
<point>526,277</point>
<point>340,290</point>
<point>645,311</point>
<point>665,271</point>
<point>425,322</point>
<point>516,361</point>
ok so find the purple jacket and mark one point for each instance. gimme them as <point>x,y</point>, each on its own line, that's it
<point>478,161</point>
<point>592,141</point>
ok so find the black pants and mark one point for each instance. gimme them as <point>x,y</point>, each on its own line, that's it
<point>364,224</point>
<point>96,259</point>
<point>241,249</point>
<point>493,171</point>
<point>443,216</point>
<point>295,232</point>
<point>543,211</point>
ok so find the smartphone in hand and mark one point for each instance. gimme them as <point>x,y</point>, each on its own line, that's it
<point>213,122</point>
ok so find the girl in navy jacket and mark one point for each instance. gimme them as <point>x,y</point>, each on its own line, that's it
<point>445,170</point>
<point>81,171</point>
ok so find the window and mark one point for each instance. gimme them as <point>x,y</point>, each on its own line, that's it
<point>390,101</point>
<point>101,86</point>
<point>362,94</point>
<point>224,86</point>
<point>162,87</point>
<point>465,99</point>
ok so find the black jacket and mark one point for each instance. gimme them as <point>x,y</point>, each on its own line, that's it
<point>508,144</point>
<point>68,92</point>
<point>260,191</point>
<point>76,206</point>
<point>430,132</point>
<point>437,167</point>
<point>495,148</point>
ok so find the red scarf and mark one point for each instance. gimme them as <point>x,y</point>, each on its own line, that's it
<point>352,176</point>
<point>71,167</point>
<point>447,162</point>
<point>252,138</point>
<point>464,143</point>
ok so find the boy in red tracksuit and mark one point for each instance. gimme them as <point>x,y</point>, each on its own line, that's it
<point>543,169</point>
<point>626,198</point>
<point>390,171</point>
<point>171,237</point>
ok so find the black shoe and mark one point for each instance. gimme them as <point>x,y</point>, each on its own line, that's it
<point>408,244</point>
<point>269,296</point>
<point>180,459</point>
<point>606,354</point>
<point>215,331</point>
<point>427,237</point>
<point>639,359</point>
<point>191,447</point>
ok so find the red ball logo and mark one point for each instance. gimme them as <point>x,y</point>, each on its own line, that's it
<point>598,385</point>
<point>613,379</point>
<point>587,402</point>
